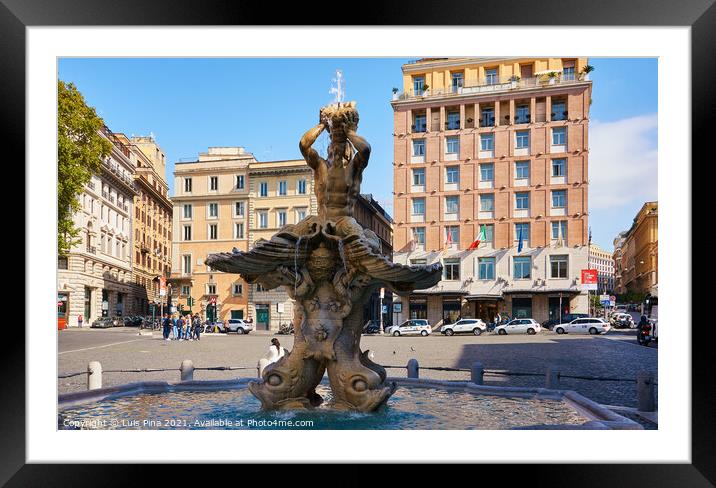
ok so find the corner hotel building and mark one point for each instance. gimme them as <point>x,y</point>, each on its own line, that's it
<point>499,144</point>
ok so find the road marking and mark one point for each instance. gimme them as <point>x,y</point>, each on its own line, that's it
<point>98,347</point>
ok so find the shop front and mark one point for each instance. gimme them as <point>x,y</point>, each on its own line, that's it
<point>484,307</point>
<point>418,307</point>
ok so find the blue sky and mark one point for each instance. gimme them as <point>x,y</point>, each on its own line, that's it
<point>265,105</point>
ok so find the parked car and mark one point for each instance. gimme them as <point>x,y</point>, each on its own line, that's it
<point>240,326</point>
<point>568,317</point>
<point>410,327</point>
<point>519,326</point>
<point>103,323</point>
<point>133,321</point>
<point>589,325</point>
<point>621,320</point>
<point>462,326</point>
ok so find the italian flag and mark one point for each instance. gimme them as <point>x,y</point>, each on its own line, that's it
<point>480,238</point>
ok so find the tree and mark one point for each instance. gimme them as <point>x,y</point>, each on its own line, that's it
<point>80,151</point>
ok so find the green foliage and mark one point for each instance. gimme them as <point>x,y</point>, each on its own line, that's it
<point>80,150</point>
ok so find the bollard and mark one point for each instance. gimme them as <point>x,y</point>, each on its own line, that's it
<point>477,372</point>
<point>552,378</point>
<point>413,369</point>
<point>187,370</point>
<point>645,395</point>
<point>94,375</point>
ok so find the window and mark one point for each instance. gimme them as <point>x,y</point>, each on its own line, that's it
<point>263,219</point>
<point>185,290</point>
<point>239,230</point>
<point>489,232</point>
<point>452,145</point>
<point>239,182</point>
<point>522,170</point>
<point>418,147</point>
<point>522,139</point>
<point>559,111</point>
<point>237,289</point>
<point>488,117</point>
<point>487,202</point>
<point>522,201</point>
<point>452,174</point>
<point>418,83</point>
<point>282,186</point>
<point>419,177</point>
<point>418,206</point>
<point>186,264</point>
<point>559,136</point>
<point>559,167</point>
<point>187,185</point>
<point>568,71</point>
<point>281,218</point>
<point>559,198</point>
<point>239,209</point>
<point>522,267</point>
<point>263,189</point>
<point>523,114</point>
<point>451,269</point>
<point>301,187</point>
<point>300,214</point>
<point>213,231</point>
<point>419,235</point>
<point>420,123</point>
<point>187,232</point>
<point>453,120</point>
<point>558,266</point>
<point>457,81</point>
<point>213,183</point>
<point>452,204</point>
<point>557,227</point>
<point>210,289</point>
<point>487,172</point>
<point>486,268</point>
<point>187,211</point>
<point>452,234</point>
<point>491,76</point>
<point>213,210</point>
<point>487,142</point>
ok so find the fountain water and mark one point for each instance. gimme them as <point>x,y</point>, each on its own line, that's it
<point>329,277</point>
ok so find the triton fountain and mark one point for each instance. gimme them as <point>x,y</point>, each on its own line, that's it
<point>329,265</point>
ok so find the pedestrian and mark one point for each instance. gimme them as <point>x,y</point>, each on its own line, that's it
<point>181,324</point>
<point>498,319</point>
<point>79,321</point>
<point>274,353</point>
<point>643,321</point>
<point>197,326</point>
<point>166,325</point>
<point>175,330</point>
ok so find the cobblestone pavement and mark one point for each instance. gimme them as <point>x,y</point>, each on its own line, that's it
<point>615,354</point>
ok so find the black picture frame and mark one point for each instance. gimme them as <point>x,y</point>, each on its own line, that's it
<point>16,15</point>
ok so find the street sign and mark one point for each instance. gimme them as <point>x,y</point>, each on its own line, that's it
<point>612,298</point>
<point>162,286</point>
<point>397,307</point>
<point>212,300</point>
<point>385,308</point>
<point>589,279</point>
<point>279,307</point>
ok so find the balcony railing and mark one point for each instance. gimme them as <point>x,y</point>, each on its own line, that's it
<point>115,140</point>
<point>488,85</point>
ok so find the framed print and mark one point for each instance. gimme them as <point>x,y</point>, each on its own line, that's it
<point>275,246</point>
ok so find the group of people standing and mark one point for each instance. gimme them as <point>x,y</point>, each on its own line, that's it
<point>181,328</point>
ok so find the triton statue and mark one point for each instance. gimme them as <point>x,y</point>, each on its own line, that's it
<point>330,266</point>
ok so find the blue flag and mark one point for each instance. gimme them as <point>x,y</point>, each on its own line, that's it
<point>519,246</point>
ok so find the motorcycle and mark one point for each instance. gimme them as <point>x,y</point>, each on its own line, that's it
<point>285,329</point>
<point>644,336</point>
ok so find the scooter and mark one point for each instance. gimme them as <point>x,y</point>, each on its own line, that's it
<point>644,336</point>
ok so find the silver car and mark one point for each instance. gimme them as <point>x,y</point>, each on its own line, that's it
<point>239,326</point>
<point>464,326</point>
<point>411,327</point>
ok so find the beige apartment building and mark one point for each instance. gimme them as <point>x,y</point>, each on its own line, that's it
<point>211,199</point>
<point>152,224</point>
<point>95,279</point>
<point>636,254</point>
<point>280,193</point>
<point>603,262</point>
<point>496,147</point>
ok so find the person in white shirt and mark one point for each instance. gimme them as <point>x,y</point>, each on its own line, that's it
<point>275,353</point>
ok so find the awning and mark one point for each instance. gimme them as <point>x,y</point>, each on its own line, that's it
<point>483,297</point>
<point>551,291</point>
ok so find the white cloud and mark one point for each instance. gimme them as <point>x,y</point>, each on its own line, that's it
<point>623,162</point>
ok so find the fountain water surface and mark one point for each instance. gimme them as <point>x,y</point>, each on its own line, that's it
<point>330,266</point>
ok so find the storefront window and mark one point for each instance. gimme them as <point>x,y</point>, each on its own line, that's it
<point>451,310</point>
<point>418,308</point>
<point>521,308</point>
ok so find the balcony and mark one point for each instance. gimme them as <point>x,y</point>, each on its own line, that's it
<point>490,85</point>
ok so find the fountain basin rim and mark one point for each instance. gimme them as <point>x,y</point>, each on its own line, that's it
<point>601,418</point>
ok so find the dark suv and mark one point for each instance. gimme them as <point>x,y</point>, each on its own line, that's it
<point>568,317</point>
